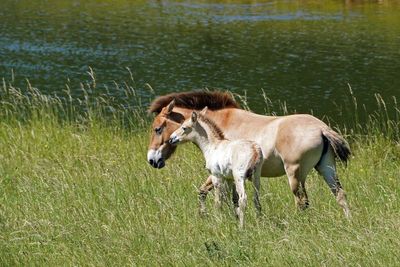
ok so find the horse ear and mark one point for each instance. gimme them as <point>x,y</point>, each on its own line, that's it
<point>194,116</point>
<point>170,106</point>
<point>204,110</point>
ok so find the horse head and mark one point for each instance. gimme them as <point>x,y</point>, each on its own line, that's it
<point>171,111</point>
<point>164,124</point>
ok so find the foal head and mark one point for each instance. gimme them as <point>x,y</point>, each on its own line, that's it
<point>189,129</point>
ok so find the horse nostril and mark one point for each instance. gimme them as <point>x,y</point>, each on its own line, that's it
<point>160,164</point>
<point>151,162</point>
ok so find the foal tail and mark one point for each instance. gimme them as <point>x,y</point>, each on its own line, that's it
<point>255,161</point>
<point>338,143</point>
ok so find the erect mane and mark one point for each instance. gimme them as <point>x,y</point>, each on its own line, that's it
<point>195,100</point>
<point>215,130</point>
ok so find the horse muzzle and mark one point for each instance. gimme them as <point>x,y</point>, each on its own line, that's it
<point>155,159</point>
<point>158,165</point>
<point>173,140</point>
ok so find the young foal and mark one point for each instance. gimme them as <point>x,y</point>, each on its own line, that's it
<point>239,159</point>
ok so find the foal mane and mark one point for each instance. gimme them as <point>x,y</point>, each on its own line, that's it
<point>215,130</point>
<point>195,100</point>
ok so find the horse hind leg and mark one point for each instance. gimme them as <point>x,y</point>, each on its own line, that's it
<point>239,185</point>
<point>297,185</point>
<point>256,197</point>
<point>327,168</point>
<point>235,199</point>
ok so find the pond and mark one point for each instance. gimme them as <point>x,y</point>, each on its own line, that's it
<point>303,53</point>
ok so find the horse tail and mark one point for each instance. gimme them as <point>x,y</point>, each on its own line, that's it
<point>339,145</point>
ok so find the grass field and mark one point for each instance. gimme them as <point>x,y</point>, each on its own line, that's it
<point>75,189</point>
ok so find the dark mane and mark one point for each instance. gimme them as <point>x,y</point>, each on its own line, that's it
<point>213,127</point>
<point>195,100</point>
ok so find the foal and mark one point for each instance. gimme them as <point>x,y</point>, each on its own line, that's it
<point>240,159</point>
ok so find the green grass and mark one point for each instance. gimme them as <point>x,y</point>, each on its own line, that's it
<point>75,189</point>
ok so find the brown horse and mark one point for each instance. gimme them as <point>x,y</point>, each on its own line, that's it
<point>293,144</point>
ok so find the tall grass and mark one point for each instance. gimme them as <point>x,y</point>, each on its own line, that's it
<point>75,189</point>
<point>124,106</point>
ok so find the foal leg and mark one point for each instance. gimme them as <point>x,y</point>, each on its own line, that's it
<point>327,168</point>
<point>218,186</point>
<point>206,187</point>
<point>239,183</point>
<point>297,185</point>
<point>235,199</point>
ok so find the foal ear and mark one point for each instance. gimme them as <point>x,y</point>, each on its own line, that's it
<point>194,116</point>
<point>170,106</point>
<point>204,110</point>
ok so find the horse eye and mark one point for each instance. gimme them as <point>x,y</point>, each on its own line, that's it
<point>158,130</point>
<point>184,128</point>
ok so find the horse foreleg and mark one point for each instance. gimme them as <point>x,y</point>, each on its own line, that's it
<point>206,187</point>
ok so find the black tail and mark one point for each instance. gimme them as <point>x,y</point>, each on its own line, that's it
<point>338,144</point>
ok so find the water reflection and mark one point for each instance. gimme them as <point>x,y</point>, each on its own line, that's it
<point>304,53</point>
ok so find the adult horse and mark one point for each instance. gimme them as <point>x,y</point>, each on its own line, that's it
<point>293,144</point>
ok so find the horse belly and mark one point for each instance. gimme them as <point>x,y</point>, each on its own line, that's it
<point>272,166</point>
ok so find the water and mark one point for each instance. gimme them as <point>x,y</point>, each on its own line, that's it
<point>302,52</point>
